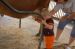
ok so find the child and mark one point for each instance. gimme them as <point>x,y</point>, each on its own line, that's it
<point>48,34</point>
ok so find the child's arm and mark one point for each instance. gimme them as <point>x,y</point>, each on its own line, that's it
<point>49,26</point>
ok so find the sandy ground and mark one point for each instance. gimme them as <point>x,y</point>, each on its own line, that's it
<point>13,37</point>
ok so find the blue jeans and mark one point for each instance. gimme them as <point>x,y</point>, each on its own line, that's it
<point>61,26</point>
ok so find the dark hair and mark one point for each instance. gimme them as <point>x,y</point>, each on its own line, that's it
<point>57,0</point>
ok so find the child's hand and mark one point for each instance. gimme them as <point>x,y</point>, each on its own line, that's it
<point>39,20</point>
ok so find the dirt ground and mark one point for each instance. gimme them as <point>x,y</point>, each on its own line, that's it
<point>13,37</point>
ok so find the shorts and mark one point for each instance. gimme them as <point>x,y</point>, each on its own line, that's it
<point>61,25</point>
<point>49,41</point>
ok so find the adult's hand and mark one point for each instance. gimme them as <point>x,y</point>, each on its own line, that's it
<point>72,16</point>
<point>62,19</point>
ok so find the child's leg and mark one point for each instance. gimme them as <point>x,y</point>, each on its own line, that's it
<point>49,41</point>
